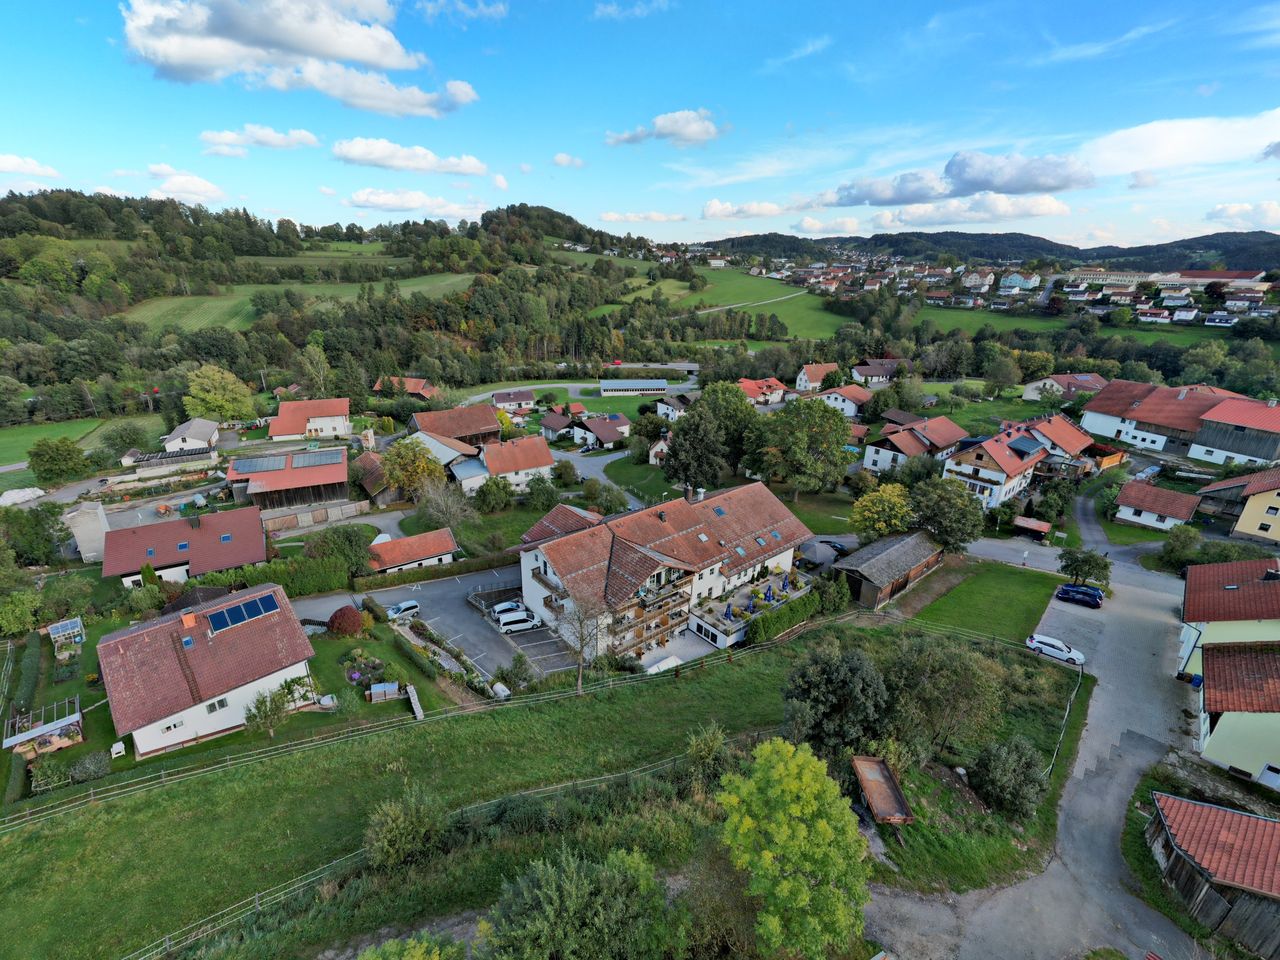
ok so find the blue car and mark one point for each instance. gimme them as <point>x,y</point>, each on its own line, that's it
<point>1086,588</point>
<point>1082,597</point>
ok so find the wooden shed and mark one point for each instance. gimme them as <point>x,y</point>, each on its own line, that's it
<point>1225,867</point>
<point>881,792</point>
<point>881,570</point>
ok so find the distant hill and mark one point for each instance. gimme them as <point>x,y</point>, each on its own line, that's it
<point>1258,249</point>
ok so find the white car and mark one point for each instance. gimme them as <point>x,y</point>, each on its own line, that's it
<point>408,608</point>
<point>510,606</point>
<point>1050,647</point>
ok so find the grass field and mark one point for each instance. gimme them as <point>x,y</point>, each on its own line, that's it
<point>643,480</point>
<point>488,533</point>
<point>1019,595</point>
<point>17,479</point>
<point>233,309</point>
<point>152,424</point>
<point>1121,534</point>
<point>16,441</point>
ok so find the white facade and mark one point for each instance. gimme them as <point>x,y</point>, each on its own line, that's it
<point>841,403</point>
<point>1147,518</point>
<point>211,718</point>
<point>425,562</point>
<point>175,574</point>
<point>669,411</point>
<point>878,458</point>
<point>190,444</point>
<point>318,427</point>
<point>1215,455</point>
<point>1118,428</point>
<point>990,486</point>
<point>519,479</point>
<point>657,451</point>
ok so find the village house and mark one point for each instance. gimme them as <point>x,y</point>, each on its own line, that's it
<point>1254,501</point>
<point>193,674</point>
<point>878,371</point>
<point>1240,709</point>
<point>571,409</point>
<point>1019,281</point>
<point>934,437</point>
<point>415,387</point>
<point>1149,416</point>
<point>1145,505</point>
<point>764,392</point>
<point>473,425</point>
<point>880,571</point>
<point>558,521</point>
<point>674,407</point>
<point>444,450</point>
<point>848,399</point>
<point>1188,315</point>
<point>602,431</point>
<point>311,420</point>
<point>186,547</point>
<point>555,426</point>
<point>197,435</point>
<point>1236,602</point>
<point>996,469</point>
<point>655,572</point>
<point>408,553</point>
<point>518,460</point>
<point>513,400</point>
<point>1239,430</point>
<point>289,479</point>
<point>811,376</point>
<point>1064,385</point>
<point>658,450</point>
<point>1154,316</point>
<point>1064,441</point>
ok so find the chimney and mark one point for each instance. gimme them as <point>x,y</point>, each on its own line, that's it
<point>688,492</point>
<point>699,494</point>
<point>1271,402</point>
<point>188,620</point>
<point>194,521</point>
<point>662,516</point>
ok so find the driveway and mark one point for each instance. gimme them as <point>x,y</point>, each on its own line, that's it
<point>594,467</point>
<point>546,652</point>
<point>1082,899</point>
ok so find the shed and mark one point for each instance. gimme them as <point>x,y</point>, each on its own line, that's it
<point>1036,529</point>
<point>880,571</point>
<point>1225,867</point>
<point>382,692</point>
<point>881,792</point>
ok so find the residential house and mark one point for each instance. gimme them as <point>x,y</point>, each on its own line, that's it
<point>1239,302</point>
<point>292,390</point>
<point>885,568</point>
<point>197,435</point>
<point>373,479</point>
<point>978,281</point>
<point>556,426</point>
<point>193,674</point>
<point>289,479</point>
<point>878,371</point>
<point>1176,300</point>
<point>1240,709</point>
<point>1236,602</point>
<point>1019,281</point>
<point>717,263</point>
<point>558,521</point>
<point>658,451</point>
<point>473,425</point>
<point>1239,430</point>
<point>1145,505</point>
<point>1186,315</point>
<point>652,573</point>
<point>1220,319</point>
<point>571,409</point>
<point>935,437</point>
<point>1253,499</point>
<point>811,376</point>
<point>186,547</point>
<point>519,460</point>
<point>848,399</point>
<point>1154,316</point>
<point>1149,416</point>
<point>764,392</point>
<point>602,431</point>
<point>673,408</point>
<point>632,388</point>
<point>407,553</point>
<point>444,450</point>
<point>1064,441</point>
<point>512,400</point>
<point>1064,385</point>
<point>996,469</point>
<point>938,298</point>
<point>311,419</point>
<point>900,418</point>
<point>1224,865</point>
<point>415,387</point>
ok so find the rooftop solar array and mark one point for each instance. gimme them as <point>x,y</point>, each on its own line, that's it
<point>321,458</point>
<point>64,628</point>
<point>1024,445</point>
<point>242,612</point>
<point>259,464</point>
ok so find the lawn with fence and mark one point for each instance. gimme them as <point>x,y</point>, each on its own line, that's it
<point>995,599</point>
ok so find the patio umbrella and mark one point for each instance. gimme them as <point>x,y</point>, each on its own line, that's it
<point>768,593</point>
<point>728,611</point>
<point>751,605</point>
<point>786,583</point>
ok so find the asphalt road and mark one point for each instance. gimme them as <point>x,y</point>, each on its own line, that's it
<point>594,467</point>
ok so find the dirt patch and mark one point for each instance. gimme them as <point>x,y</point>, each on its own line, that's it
<point>954,569</point>
<point>462,696</point>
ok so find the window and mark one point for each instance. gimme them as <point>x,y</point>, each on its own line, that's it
<point>170,727</point>
<point>760,540</point>
<point>1161,518</point>
<point>740,551</point>
<point>188,642</point>
<point>1137,513</point>
<point>216,705</point>
<point>151,551</point>
<point>225,538</point>
<point>719,511</point>
<point>1272,511</point>
<point>702,537</point>
<point>1264,528</point>
<point>183,546</point>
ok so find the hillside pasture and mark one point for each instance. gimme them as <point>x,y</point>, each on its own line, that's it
<point>17,440</point>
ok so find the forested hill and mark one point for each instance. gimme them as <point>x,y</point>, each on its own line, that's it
<point>1258,249</point>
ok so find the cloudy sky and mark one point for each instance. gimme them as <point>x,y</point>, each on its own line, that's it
<point>1111,123</point>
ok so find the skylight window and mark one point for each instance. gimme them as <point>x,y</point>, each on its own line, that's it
<point>719,511</point>
<point>741,552</point>
<point>702,537</point>
<point>760,540</point>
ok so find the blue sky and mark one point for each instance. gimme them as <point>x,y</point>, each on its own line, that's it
<point>1095,123</point>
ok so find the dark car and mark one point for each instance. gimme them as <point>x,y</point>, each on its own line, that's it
<point>1082,597</point>
<point>1086,588</point>
<point>840,549</point>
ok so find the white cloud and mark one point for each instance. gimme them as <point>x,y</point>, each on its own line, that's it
<point>181,185</point>
<point>328,191</point>
<point>722,210</point>
<point>288,44</point>
<point>462,10</point>
<point>500,181</point>
<point>567,160</point>
<point>838,225</point>
<point>27,166</point>
<point>630,11</point>
<point>1092,49</point>
<point>526,168</point>
<point>806,49</point>
<point>235,143</point>
<point>1162,144</point>
<point>392,156</point>
<point>403,200</point>
<point>652,216</point>
<point>983,208</point>
<point>1143,180</point>
<point>681,127</point>
<point>1247,216</point>
<point>966,174</point>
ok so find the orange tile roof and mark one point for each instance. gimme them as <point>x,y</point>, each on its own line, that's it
<point>1264,481</point>
<point>1246,413</point>
<point>755,389</point>
<point>1009,462</point>
<point>414,386</point>
<point>1241,677</point>
<point>851,392</point>
<point>468,421</point>
<point>816,371</point>
<point>1062,433</point>
<point>423,546</point>
<point>561,519</point>
<point>510,456</point>
<point>291,419</point>
<point>372,476</point>
<point>1141,495</point>
<point>1175,408</point>
<point>1236,849</point>
<point>1240,590</point>
<point>903,441</point>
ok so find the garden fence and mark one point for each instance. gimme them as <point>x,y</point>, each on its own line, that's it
<point>6,674</point>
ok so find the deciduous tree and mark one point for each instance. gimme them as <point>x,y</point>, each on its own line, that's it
<point>804,443</point>
<point>409,466</point>
<point>834,700</point>
<point>696,452</point>
<point>733,413</point>
<point>1081,565</point>
<point>945,508</point>
<point>885,510</point>
<point>218,395</point>
<point>56,460</point>
<point>444,504</point>
<point>268,712</point>
<point>494,495</point>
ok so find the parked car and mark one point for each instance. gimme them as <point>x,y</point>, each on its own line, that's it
<point>1086,588</point>
<point>615,363</point>
<point>1082,597</point>
<point>518,621</point>
<point>1051,647</point>
<point>509,606</point>
<point>408,608</point>
<point>840,549</point>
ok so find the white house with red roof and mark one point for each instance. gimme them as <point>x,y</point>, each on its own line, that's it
<point>764,392</point>
<point>1239,430</point>
<point>311,419</point>
<point>1144,505</point>
<point>933,437</point>
<point>811,375</point>
<point>996,469</point>
<point>407,553</point>
<point>193,674</point>
<point>518,460</point>
<point>187,547</point>
<point>849,399</point>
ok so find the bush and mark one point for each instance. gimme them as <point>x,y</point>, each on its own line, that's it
<point>708,754</point>
<point>771,624</point>
<point>144,599</point>
<point>420,947</point>
<point>516,676</point>
<point>435,572</point>
<point>1009,777</point>
<point>92,766</point>
<point>565,473</point>
<point>30,678</point>
<point>299,576</point>
<point>404,830</point>
<point>345,621</point>
<point>347,544</point>
<point>612,662</point>
<point>542,494</point>
<point>495,495</point>
<point>47,773</point>
<point>375,609</point>
<point>833,594</point>
<point>416,656</point>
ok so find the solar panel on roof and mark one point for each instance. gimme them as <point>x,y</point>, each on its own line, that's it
<point>236,615</point>
<point>259,464</point>
<point>252,608</point>
<point>719,511</point>
<point>321,458</point>
<point>218,620</point>
<point>268,603</point>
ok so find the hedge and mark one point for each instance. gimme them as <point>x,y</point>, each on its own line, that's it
<point>771,624</point>
<point>299,576</point>
<point>416,656</point>
<point>437,572</point>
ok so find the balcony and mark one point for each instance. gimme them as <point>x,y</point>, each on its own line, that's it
<point>555,589</point>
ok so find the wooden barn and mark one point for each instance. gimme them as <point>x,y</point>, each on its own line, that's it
<point>1224,865</point>
<point>880,571</point>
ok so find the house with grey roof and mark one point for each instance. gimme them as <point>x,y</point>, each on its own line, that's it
<point>196,434</point>
<point>881,570</point>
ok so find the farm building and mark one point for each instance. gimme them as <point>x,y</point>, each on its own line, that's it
<point>474,425</point>
<point>632,388</point>
<point>1253,499</point>
<point>290,479</point>
<point>1144,505</point>
<point>880,571</point>
<point>197,434</point>
<point>1225,867</point>
<point>415,387</point>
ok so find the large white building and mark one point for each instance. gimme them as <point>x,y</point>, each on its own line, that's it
<point>996,469</point>
<point>193,436</point>
<point>311,420</point>
<point>193,674</point>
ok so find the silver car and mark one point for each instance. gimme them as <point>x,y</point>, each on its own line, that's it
<point>1052,647</point>
<point>510,606</point>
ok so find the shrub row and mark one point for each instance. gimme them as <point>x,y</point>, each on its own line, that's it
<point>299,576</point>
<point>438,572</point>
<point>768,625</point>
<point>416,656</point>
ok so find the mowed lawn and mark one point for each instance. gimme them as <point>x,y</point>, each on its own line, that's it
<point>995,599</point>
<point>163,859</point>
<point>151,424</point>
<point>16,441</point>
<point>233,310</point>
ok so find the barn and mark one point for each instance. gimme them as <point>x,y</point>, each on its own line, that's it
<point>880,571</point>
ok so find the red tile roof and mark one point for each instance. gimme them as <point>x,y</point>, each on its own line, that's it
<point>423,546</point>
<point>1241,677</point>
<point>290,477</point>
<point>904,441</point>
<point>1220,274</point>
<point>1140,495</point>
<point>414,386</point>
<point>1236,849</point>
<point>459,422</point>
<point>291,419</point>
<point>510,456</point>
<point>150,675</point>
<point>1118,397</point>
<point>125,549</point>
<point>939,432</point>
<point>755,389</point>
<point>816,371</point>
<point>1175,408</point>
<point>572,409</point>
<point>1246,413</point>
<point>1062,432</point>
<point>1072,383</point>
<point>372,477</point>
<point>1240,590</point>
<point>561,519</point>
<point>851,392</point>
<point>858,431</point>
<point>1264,481</point>
<point>1008,461</point>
